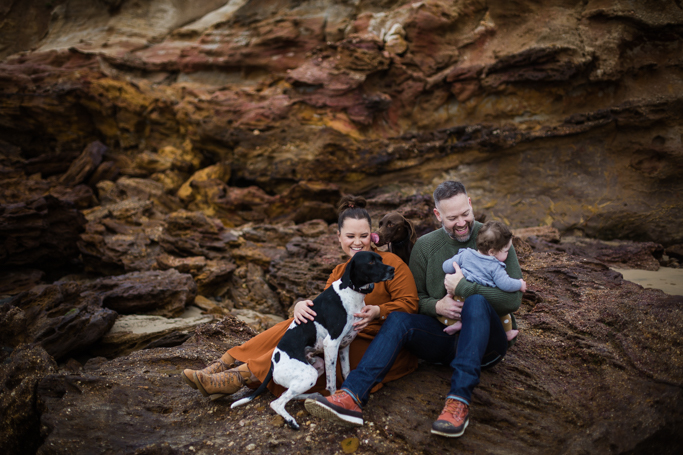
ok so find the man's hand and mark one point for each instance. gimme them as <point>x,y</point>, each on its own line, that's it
<point>452,279</point>
<point>449,307</point>
<point>523,288</point>
<point>367,313</point>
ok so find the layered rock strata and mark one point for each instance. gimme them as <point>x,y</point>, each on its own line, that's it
<point>560,113</point>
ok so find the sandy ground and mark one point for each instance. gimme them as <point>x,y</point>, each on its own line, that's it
<point>667,279</point>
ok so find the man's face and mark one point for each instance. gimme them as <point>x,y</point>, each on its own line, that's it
<point>456,216</point>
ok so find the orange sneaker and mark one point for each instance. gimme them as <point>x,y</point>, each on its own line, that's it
<point>339,408</point>
<point>453,419</point>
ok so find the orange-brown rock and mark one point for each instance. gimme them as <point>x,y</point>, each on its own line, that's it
<point>556,114</point>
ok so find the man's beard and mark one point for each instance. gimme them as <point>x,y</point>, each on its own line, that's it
<point>461,239</point>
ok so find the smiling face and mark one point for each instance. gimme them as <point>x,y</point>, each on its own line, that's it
<point>354,236</point>
<point>456,216</point>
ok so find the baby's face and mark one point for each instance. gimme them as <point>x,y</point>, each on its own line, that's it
<point>501,255</point>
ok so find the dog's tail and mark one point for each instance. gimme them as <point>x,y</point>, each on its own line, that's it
<point>257,392</point>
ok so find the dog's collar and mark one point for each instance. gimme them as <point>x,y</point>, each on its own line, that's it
<point>367,289</point>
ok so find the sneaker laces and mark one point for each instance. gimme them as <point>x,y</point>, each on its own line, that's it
<point>344,399</point>
<point>456,408</point>
<point>337,396</point>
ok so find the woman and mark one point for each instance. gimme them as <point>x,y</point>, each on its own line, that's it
<point>398,294</point>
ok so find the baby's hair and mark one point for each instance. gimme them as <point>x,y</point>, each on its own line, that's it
<point>353,207</point>
<point>493,235</point>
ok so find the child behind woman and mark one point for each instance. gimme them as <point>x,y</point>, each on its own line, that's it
<point>487,267</point>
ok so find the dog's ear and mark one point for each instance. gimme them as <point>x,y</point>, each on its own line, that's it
<point>347,276</point>
<point>411,229</point>
<point>351,269</point>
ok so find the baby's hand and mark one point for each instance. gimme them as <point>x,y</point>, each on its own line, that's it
<point>302,312</point>
<point>451,329</point>
<point>523,288</point>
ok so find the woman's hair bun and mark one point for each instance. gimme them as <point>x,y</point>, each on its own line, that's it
<point>350,202</point>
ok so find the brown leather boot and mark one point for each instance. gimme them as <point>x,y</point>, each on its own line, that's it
<point>215,367</point>
<point>224,383</point>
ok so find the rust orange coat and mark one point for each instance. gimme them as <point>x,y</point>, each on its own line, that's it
<point>398,294</point>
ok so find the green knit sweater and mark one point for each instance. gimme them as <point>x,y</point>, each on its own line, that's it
<point>430,252</point>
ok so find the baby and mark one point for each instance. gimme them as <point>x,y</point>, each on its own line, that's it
<point>487,267</point>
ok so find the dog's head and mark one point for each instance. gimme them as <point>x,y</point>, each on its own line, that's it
<point>394,228</point>
<point>366,268</point>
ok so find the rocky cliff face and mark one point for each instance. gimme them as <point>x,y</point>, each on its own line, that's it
<point>156,154</point>
<point>553,113</point>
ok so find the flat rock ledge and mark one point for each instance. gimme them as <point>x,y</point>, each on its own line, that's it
<point>134,332</point>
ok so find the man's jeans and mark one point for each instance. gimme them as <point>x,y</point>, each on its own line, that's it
<point>481,343</point>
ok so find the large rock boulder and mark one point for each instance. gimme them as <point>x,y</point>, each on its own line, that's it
<point>135,332</point>
<point>162,293</point>
<point>63,318</point>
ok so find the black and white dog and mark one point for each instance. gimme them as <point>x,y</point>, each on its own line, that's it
<point>330,333</point>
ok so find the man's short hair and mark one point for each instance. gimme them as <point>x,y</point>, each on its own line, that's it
<point>447,190</point>
<point>493,235</point>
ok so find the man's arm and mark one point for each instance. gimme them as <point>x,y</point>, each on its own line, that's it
<point>501,301</point>
<point>418,266</point>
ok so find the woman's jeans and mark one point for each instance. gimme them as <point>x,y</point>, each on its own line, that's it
<point>480,343</point>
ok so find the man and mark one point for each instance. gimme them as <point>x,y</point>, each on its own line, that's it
<point>480,343</point>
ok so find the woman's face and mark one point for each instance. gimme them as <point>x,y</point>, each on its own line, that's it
<point>354,236</point>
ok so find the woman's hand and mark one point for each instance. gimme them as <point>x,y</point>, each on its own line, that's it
<point>452,279</point>
<point>367,314</point>
<point>303,312</point>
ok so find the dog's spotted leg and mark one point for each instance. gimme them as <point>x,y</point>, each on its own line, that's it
<point>331,348</point>
<point>279,407</point>
<point>305,378</point>
<point>344,361</point>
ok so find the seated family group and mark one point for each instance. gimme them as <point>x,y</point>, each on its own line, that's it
<point>449,305</point>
